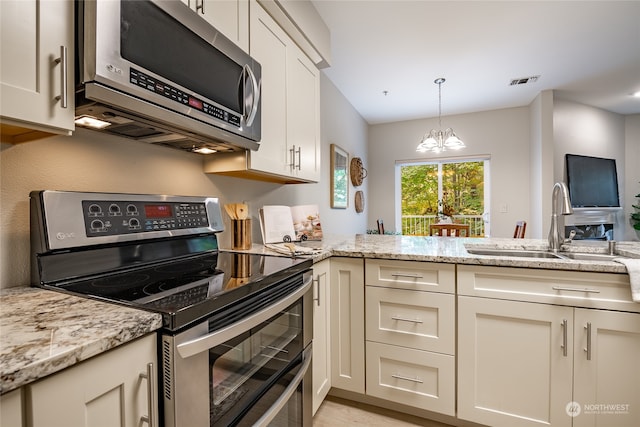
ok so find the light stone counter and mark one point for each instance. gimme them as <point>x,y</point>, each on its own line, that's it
<point>454,250</point>
<point>42,332</point>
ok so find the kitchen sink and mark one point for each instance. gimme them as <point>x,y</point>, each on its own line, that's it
<point>522,253</point>
<point>513,252</point>
<point>588,257</point>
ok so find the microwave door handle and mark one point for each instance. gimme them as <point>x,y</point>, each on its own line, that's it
<point>208,341</point>
<point>287,393</point>
<point>255,89</point>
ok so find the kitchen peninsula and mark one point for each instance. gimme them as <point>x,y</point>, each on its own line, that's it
<point>395,271</point>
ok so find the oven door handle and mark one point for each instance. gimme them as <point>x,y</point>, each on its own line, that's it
<point>271,413</point>
<point>208,341</point>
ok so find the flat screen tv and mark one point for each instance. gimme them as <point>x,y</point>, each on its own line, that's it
<point>592,181</point>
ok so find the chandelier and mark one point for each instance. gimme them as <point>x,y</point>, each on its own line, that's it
<point>439,140</point>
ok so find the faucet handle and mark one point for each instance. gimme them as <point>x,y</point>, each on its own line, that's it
<point>572,234</point>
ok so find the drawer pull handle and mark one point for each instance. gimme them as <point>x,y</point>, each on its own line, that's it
<point>585,290</point>
<point>401,377</point>
<point>412,276</point>
<point>402,319</point>
<point>150,418</point>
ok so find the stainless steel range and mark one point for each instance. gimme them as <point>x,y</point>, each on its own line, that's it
<point>236,341</point>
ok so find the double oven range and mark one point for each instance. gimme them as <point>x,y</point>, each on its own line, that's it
<point>235,347</point>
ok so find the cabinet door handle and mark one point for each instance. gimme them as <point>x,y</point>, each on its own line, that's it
<point>403,319</point>
<point>299,158</point>
<point>585,290</point>
<point>292,154</point>
<point>402,377</point>
<point>150,418</point>
<point>317,282</point>
<point>407,275</point>
<point>63,97</point>
<point>564,337</point>
<point>588,349</point>
<point>200,6</point>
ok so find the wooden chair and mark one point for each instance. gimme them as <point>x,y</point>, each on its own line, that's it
<point>449,230</point>
<point>521,227</point>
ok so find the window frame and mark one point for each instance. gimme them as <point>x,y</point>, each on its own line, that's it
<point>486,159</point>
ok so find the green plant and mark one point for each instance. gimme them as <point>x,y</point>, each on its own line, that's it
<point>635,216</point>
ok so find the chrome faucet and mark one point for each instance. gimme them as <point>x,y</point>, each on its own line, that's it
<point>556,238</point>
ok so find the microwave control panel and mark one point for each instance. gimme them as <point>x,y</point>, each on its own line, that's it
<point>157,86</point>
<point>111,218</point>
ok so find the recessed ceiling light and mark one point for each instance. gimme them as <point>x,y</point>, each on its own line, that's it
<point>636,94</point>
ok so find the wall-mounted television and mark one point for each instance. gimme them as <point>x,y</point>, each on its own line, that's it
<point>592,181</point>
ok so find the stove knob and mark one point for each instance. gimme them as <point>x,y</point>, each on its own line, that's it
<point>95,210</point>
<point>114,209</point>
<point>132,210</point>
<point>134,223</point>
<point>97,225</point>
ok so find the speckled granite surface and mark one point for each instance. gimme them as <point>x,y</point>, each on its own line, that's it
<point>454,250</point>
<point>42,332</point>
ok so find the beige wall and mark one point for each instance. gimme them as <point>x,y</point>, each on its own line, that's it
<point>501,134</point>
<point>90,161</point>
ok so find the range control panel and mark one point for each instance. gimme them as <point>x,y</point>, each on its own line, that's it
<point>112,218</point>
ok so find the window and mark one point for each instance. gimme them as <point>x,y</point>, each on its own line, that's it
<point>442,190</point>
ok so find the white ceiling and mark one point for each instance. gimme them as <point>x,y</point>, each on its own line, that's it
<point>586,51</point>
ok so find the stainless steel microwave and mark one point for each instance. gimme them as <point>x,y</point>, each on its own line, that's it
<point>157,72</point>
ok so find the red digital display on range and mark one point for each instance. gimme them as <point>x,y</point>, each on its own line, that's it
<point>157,211</point>
<point>196,103</point>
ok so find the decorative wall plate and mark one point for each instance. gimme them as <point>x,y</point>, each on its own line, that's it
<point>357,171</point>
<point>359,201</point>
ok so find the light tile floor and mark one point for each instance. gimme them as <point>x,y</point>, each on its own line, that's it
<point>336,412</point>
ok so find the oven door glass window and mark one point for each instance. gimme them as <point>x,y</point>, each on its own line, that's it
<point>250,372</point>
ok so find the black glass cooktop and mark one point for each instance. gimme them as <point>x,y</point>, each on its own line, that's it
<point>186,290</point>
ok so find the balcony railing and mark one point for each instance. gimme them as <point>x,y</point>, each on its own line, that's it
<point>418,225</point>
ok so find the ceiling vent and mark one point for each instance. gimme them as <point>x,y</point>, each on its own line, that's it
<point>524,80</point>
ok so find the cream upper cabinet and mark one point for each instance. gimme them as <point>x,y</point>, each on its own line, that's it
<point>111,389</point>
<point>290,103</point>
<point>321,375</point>
<point>231,17</point>
<point>37,63</point>
<point>347,324</point>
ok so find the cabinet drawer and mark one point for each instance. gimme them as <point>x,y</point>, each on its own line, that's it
<point>416,378</point>
<point>413,275</point>
<point>573,288</point>
<point>416,319</point>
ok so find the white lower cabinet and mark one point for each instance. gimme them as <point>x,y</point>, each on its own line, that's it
<point>347,324</point>
<point>606,378</point>
<point>410,334</point>
<point>111,389</point>
<point>11,409</point>
<point>321,372</point>
<point>512,370</point>
<point>524,363</point>
<point>418,378</point>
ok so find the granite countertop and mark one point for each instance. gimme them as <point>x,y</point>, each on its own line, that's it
<point>454,250</point>
<point>42,332</point>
